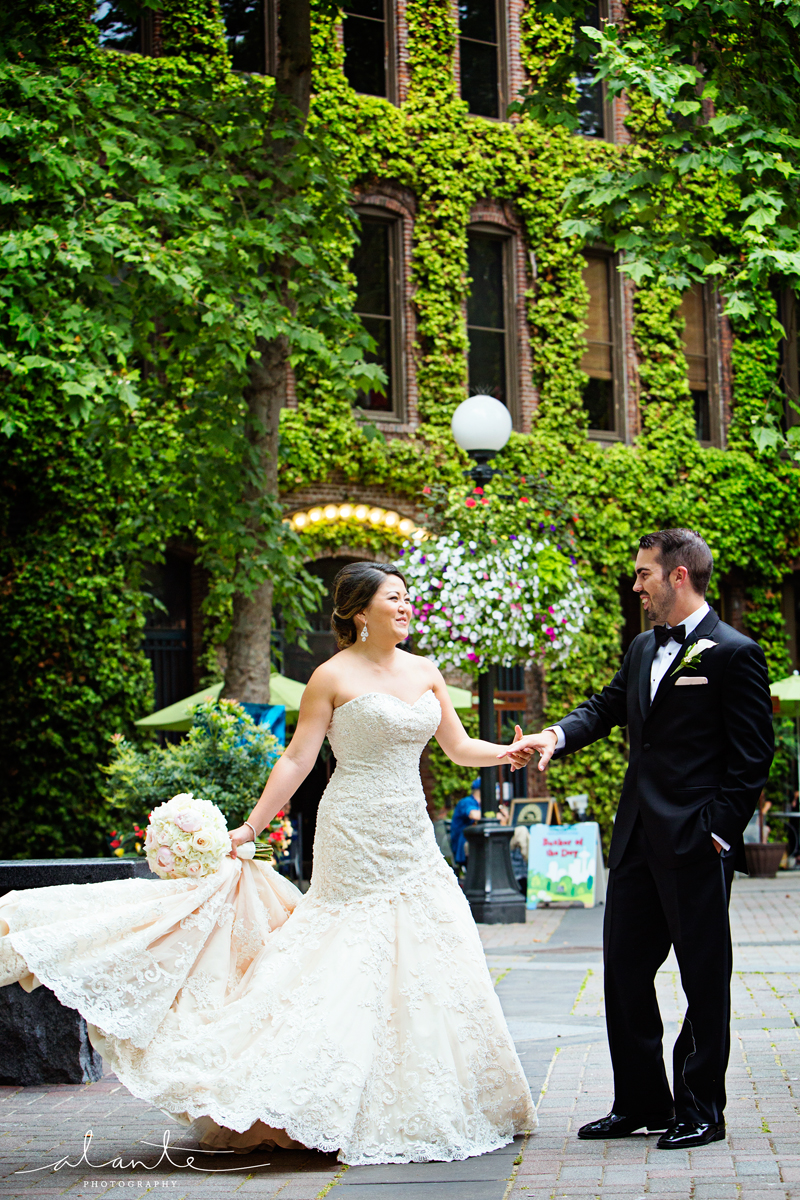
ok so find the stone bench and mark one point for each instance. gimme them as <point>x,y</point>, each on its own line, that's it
<point>41,1041</point>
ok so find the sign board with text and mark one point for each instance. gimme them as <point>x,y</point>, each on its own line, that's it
<point>565,863</point>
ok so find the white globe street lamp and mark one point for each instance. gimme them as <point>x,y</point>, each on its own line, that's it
<point>481,426</point>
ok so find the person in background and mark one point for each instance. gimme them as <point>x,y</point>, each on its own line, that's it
<point>519,856</point>
<point>518,847</point>
<point>465,813</point>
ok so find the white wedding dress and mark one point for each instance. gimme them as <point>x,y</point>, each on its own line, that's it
<point>360,1017</point>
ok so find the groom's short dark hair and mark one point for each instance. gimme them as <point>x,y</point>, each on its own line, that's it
<point>682,548</point>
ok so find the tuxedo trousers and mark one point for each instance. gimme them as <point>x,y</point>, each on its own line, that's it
<point>649,908</point>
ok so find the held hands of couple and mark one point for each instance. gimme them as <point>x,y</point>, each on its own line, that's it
<point>524,746</point>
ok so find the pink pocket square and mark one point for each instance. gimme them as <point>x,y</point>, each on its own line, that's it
<point>690,681</point>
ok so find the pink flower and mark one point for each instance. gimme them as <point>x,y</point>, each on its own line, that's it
<point>180,847</point>
<point>470,503</point>
<point>166,858</point>
<point>188,821</point>
<point>194,868</point>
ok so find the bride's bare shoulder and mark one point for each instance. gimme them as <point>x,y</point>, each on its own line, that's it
<point>423,669</point>
<point>328,675</point>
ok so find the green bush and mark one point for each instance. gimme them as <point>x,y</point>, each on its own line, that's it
<point>225,758</point>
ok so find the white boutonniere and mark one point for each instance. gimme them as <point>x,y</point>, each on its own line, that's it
<point>693,654</point>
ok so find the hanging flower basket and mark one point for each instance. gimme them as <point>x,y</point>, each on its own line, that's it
<point>493,600</point>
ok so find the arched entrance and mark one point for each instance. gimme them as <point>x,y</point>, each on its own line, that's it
<point>300,664</point>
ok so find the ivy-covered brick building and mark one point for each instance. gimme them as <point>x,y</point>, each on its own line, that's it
<point>637,402</point>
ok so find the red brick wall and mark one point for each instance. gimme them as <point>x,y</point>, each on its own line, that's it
<point>338,490</point>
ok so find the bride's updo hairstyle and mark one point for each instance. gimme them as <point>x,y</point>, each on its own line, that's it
<point>353,588</point>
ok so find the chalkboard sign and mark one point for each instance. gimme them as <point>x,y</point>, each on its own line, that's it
<point>534,812</point>
<point>565,863</point>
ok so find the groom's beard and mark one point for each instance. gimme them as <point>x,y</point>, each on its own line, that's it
<point>660,603</point>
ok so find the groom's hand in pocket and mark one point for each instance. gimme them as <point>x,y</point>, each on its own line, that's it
<point>524,746</point>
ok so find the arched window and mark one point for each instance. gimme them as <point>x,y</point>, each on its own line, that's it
<point>699,345</point>
<point>490,315</point>
<point>790,356</point>
<point>603,394</point>
<point>377,266</point>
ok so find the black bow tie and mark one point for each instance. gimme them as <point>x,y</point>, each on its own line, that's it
<point>664,633</point>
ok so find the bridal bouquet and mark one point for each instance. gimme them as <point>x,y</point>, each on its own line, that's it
<point>187,838</point>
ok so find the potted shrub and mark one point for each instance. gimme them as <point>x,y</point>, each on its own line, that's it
<point>764,857</point>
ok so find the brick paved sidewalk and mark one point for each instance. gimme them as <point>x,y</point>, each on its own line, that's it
<point>761,1156</point>
<point>549,978</point>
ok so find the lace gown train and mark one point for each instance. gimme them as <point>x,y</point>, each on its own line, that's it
<point>360,1017</point>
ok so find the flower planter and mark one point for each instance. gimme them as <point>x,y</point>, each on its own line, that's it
<point>764,858</point>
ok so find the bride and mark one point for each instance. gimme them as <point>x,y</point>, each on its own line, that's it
<point>360,1017</point>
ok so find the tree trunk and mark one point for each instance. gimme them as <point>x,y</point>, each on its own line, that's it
<point>293,77</point>
<point>249,644</point>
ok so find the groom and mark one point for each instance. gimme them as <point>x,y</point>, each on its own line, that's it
<point>694,696</point>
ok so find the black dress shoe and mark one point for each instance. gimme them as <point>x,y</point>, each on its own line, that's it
<point>684,1134</point>
<point>617,1126</point>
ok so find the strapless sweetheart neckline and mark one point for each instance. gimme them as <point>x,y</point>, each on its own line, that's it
<point>391,696</point>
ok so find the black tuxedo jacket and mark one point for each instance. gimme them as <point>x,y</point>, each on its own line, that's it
<point>699,754</point>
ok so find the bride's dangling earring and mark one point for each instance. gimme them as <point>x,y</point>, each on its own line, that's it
<point>364,633</point>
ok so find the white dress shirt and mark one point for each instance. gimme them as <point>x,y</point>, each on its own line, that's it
<point>666,654</point>
<point>664,657</point>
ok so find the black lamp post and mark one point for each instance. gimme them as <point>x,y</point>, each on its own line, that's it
<point>482,426</point>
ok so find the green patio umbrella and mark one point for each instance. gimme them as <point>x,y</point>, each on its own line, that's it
<point>461,697</point>
<point>787,693</point>
<point>175,717</point>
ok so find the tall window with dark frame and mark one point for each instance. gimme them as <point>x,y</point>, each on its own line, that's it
<point>486,316</point>
<point>789,375</point>
<point>591,96</point>
<point>695,347</point>
<point>248,35</point>
<point>479,51</point>
<point>168,628</point>
<point>124,25</point>
<point>366,49</point>
<point>373,265</point>
<point>598,357</point>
